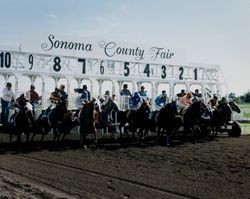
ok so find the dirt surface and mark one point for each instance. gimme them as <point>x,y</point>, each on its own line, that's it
<point>214,169</point>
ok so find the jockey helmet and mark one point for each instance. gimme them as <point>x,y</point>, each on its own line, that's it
<point>84,87</point>
<point>107,93</point>
<point>136,94</point>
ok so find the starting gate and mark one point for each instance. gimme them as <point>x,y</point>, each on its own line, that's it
<point>99,61</point>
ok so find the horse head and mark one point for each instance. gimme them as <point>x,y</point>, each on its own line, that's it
<point>145,107</point>
<point>234,107</point>
<point>97,104</point>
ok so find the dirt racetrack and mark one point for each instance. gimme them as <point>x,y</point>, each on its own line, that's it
<point>215,169</point>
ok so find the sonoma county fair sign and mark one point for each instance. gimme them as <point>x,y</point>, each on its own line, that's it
<point>53,44</point>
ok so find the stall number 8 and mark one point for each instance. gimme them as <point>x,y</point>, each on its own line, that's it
<point>57,66</point>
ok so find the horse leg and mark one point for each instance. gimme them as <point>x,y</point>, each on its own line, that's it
<point>168,138</point>
<point>58,135</point>
<point>54,135</point>
<point>27,137</point>
<point>55,132</point>
<point>194,133</point>
<point>33,136</point>
<point>121,136</point>
<point>83,138</point>
<point>113,130</point>
<point>18,142</point>
<point>95,133</point>
<point>158,135</point>
<point>63,136</point>
<point>140,134</point>
<point>42,138</point>
<point>11,136</point>
<point>126,131</point>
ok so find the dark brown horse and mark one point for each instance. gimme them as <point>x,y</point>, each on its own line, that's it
<point>138,121</point>
<point>168,122</point>
<point>222,116</point>
<point>193,119</point>
<point>88,119</point>
<point>57,119</point>
<point>21,122</point>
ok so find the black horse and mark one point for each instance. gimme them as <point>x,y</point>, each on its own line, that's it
<point>168,121</point>
<point>52,119</point>
<point>193,118</point>
<point>21,122</point>
<point>88,120</point>
<point>139,120</point>
<point>222,116</point>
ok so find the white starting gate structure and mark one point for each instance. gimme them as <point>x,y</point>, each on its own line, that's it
<point>52,60</point>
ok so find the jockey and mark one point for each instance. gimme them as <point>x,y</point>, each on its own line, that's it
<point>33,97</point>
<point>55,97</point>
<point>113,98</point>
<point>185,101</point>
<point>161,100</point>
<point>143,93</point>
<point>105,99</point>
<point>107,96</point>
<point>125,91</point>
<point>63,96</point>
<point>135,101</point>
<point>213,103</point>
<point>7,98</point>
<point>22,103</point>
<point>85,94</point>
<point>197,95</point>
<point>222,102</point>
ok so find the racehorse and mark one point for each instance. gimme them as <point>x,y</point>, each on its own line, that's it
<point>168,121</point>
<point>223,115</point>
<point>139,119</point>
<point>52,119</point>
<point>193,117</point>
<point>88,120</point>
<point>21,121</point>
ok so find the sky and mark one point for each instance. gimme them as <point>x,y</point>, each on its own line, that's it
<point>213,32</point>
